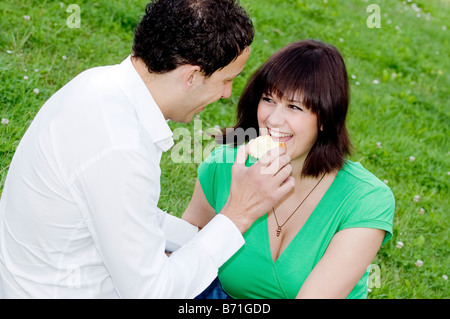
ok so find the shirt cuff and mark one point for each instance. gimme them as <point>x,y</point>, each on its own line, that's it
<point>177,231</point>
<point>220,238</point>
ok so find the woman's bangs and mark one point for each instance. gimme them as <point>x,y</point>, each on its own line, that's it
<point>286,85</point>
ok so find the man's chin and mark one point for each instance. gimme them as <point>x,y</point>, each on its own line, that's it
<point>191,116</point>
<point>188,117</point>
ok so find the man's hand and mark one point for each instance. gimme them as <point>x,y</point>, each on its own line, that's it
<point>256,189</point>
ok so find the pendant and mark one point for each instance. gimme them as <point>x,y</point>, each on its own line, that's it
<point>278,231</point>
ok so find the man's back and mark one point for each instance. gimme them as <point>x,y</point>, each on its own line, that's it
<point>49,244</point>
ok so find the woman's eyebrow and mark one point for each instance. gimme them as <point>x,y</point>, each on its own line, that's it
<point>294,101</point>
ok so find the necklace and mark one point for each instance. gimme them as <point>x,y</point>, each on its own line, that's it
<point>273,209</point>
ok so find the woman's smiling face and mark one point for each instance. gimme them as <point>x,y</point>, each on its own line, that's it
<point>288,121</point>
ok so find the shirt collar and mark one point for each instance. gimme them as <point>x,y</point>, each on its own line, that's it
<point>148,112</point>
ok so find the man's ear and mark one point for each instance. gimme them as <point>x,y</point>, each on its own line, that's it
<point>191,75</point>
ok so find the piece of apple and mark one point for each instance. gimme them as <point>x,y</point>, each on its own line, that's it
<point>262,144</point>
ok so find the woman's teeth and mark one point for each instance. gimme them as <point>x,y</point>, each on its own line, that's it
<point>278,134</point>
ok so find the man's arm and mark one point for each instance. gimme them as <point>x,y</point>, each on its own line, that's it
<point>118,195</point>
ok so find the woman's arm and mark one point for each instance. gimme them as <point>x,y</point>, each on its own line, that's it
<point>199,212</point>
<point>346,259</point>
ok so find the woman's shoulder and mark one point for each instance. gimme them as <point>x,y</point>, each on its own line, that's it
<point>368,202</point>
<point>357,175</point>
<point>358,185</point>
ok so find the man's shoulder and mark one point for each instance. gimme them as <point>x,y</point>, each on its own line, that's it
<point>98,79</point>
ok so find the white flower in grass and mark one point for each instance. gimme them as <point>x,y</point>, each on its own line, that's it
<point>353,76</point>
<point>36,91</point>
<point>64,57</point>
<point>9,51</point>
<point>5,121</point>
<point>399,245</point>
<point>26,17</point>
<point>419,263</point>
<point>421,211</point>
<point>376,82</point>
<point>412,158</point>
<point>416,198</point>
<point>415,7</point>
<point>444,277</point>
<point>25,77</point>
<point>379,144</point>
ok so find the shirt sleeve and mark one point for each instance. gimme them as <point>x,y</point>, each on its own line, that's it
<point>118,193</point>
<point>371,207</point>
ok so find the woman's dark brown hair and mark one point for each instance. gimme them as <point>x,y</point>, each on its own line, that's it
<point>316,72</point>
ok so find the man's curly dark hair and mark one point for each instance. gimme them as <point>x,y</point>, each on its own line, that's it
<point>206,33</point>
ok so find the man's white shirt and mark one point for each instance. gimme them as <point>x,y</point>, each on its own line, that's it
<point>78,213</point>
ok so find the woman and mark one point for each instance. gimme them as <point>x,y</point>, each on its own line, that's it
<point>318,241</point>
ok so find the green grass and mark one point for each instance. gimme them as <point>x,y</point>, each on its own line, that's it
<point>406,110</point>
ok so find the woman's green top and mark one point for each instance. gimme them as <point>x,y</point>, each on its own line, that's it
<point>356,198</point>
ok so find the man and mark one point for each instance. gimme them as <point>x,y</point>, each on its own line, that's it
<point>79,216</point>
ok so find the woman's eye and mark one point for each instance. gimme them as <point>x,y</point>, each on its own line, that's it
<point>266,99</point>
<point>295,107</point>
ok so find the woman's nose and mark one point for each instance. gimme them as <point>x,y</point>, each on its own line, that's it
<point>277,117</point>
